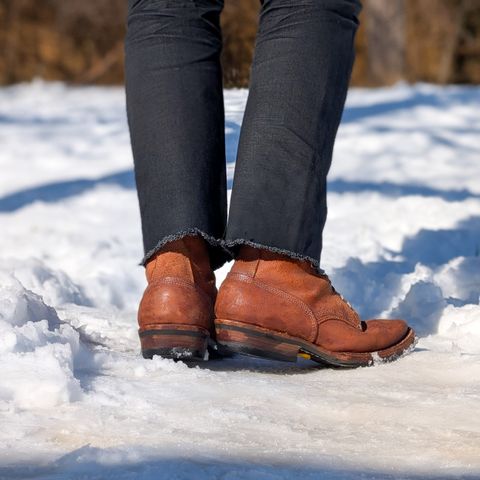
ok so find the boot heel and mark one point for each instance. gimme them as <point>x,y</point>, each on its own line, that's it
<point>254,341</point>
<point>175,342</point>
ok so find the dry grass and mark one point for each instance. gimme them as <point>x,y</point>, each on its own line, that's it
<point>82,42</point>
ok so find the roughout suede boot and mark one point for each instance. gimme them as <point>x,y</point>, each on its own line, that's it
<point>176,311</point>
<point>276,307</point>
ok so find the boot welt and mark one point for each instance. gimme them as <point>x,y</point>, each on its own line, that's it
<point>177,342</point>
<point>264,343</point>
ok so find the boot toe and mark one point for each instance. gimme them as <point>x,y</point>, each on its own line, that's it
<point>388,332</point>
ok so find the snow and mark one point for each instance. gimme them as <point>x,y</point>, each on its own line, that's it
<point>402,240</point>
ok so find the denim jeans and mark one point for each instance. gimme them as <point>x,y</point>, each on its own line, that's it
<point>299,78</point>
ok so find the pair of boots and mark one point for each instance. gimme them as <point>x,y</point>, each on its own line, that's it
<point>269,306</point>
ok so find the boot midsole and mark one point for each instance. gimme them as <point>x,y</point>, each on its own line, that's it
<point>250,338</point>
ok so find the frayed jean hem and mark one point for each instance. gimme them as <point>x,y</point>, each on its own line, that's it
<point>233,246</point>
<point>219,254</point>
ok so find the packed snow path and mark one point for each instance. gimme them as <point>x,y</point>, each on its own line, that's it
<point>402,240</point>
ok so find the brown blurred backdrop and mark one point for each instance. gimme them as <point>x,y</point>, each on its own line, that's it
<point>82,41</point>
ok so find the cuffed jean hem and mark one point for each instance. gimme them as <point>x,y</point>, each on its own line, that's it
<point>219,254</point>
<point>234,247</point>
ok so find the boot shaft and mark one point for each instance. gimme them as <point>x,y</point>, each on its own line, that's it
<point>186,258</point>
<point>284,272</point>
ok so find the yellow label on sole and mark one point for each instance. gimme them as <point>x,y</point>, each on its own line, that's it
<point>304,355</point>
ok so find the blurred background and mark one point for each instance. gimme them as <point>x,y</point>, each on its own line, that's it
<point>434,41</point>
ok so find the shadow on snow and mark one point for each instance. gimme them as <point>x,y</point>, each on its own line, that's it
<point>86,462</point>
<point>58,191</point>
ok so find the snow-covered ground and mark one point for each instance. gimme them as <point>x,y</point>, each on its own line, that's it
<point>402,239</point>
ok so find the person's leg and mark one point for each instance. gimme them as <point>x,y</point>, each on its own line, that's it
<point>275,303</point>
<point>176,119</point>
<point>299,78</point>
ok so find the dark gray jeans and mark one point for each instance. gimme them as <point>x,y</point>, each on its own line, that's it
<point>299,79</point>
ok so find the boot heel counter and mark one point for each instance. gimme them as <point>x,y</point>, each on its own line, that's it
<point>241,300</point>
<point>174,301</point>
<point>227,298</point>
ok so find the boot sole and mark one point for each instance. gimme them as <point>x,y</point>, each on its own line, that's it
<point>263,343</point>
<point>177,342</point>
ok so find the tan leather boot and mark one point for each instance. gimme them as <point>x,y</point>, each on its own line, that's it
<point>176,311</point>
<point>275,307</point>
